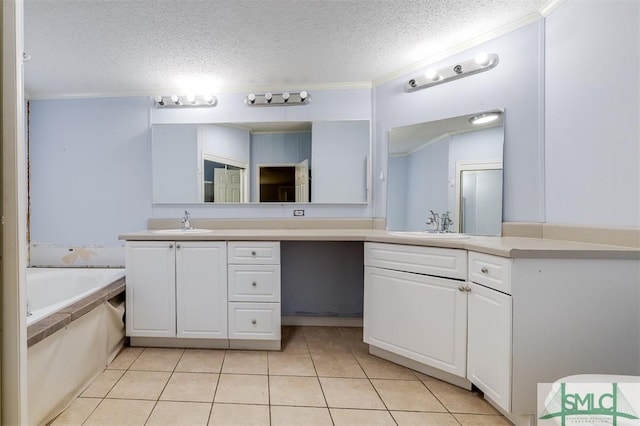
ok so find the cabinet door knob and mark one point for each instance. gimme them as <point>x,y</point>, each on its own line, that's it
<point>484,270</point>
<point>461,288</point>
<point>254,322</point>
<point>177,246</point>
<point>254,284</point>
<point>253,253</point>
<point>467,289</point>
<point>170,245</point>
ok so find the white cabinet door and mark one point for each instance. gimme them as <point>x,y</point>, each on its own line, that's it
<point>489,343</point>
<point>150,292</point>
<point>419,317</point>
<point>201,289</point>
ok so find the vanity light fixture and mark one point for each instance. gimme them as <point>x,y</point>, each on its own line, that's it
<point>278,99</point>
<point>432,77</point>
<point>188,101</point>
<point>484,118</point>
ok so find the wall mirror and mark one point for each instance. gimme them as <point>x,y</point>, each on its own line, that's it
<point>274,162</point>
<point>449,166</point>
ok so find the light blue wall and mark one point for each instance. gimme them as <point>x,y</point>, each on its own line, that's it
<point>592,113</point>
<point>515,84</point>
<point>90,165</point>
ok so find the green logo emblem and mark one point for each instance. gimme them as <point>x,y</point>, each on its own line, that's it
<point>578,407</point>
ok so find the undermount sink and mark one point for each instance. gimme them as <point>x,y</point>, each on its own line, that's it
<point>429,235</point>
<point>180,231</point>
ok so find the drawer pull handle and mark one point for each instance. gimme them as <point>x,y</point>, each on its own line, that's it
<point>254,284</point>
<point>484,270</point>
<point>461,288</point>
<point>254,322</point>
<point>253,253</point>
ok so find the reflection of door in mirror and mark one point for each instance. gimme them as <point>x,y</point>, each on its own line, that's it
<point>223,182</point>
<point>284,183</point>
<point>479,198</point>
<point>302,182</point>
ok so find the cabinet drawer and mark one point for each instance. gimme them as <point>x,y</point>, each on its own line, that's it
<point>491,271</point>
<point>442,262</point>
<point>255,321</point>
<point>254,283</point>
<point>254,252</point>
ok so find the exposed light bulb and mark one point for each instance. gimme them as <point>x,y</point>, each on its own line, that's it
<point>482,59</point>
<point>484,118</point>
<point>251,98</point>
<point>303,95</point>
<point>175,99</point>
<point>285,96</point>
<point>191,98</point>
<point>159,100</point>
<point>268,96</point>
<point>208,98</point>
<point>431,75</point>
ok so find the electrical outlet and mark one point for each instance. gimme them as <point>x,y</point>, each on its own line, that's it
<point>298,212</point>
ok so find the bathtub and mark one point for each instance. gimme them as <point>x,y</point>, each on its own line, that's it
<point>75,328</point>
<point>51,289</point>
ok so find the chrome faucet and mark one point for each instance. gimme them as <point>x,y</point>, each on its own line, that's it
<point>445,222</point>
<point>434,221</point>
<point>186,224</point>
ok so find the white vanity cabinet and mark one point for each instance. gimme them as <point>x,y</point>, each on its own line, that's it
<point>412,313</point>
<point>254,294</point>
<point>176,289</point>
<point>489,330</point>
<point>151,288</point>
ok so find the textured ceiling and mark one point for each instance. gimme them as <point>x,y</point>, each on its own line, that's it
<point>102,47</point>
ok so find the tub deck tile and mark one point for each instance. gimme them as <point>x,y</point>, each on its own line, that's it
<point>46,327</point>
<point>86,305</point>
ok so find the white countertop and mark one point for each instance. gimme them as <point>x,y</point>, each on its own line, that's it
<point>512,247</point>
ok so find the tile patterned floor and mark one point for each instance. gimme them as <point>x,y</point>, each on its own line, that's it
<point>322,376</point>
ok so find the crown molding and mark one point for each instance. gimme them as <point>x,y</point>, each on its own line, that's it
<point>229,89</point>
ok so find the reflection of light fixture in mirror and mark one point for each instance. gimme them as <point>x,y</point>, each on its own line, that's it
<point>278,99</point>
<point>432,77</point>
<point>188,101</point>
<point>484,118</point>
